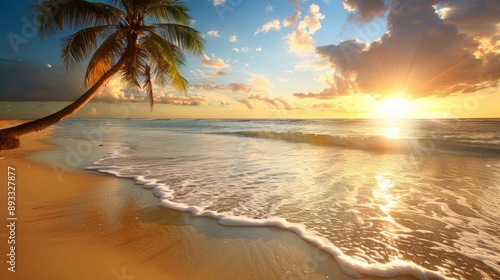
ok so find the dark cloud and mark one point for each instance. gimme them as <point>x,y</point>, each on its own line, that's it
<point>478,17</point>
<point>29,81</point>
<point>341,87</point>
<point>421,54</point>
<point>365,10</point>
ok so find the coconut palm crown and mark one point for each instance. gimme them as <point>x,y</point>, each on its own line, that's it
<point>144,41</point>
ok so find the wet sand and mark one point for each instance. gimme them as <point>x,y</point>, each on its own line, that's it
<point>80,224</point>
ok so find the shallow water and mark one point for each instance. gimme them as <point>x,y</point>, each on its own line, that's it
<point>412,197</point>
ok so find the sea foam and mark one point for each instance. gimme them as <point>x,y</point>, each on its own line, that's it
<point>350,266</point>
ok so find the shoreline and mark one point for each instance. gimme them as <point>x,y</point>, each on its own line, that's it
<point>103,227</point>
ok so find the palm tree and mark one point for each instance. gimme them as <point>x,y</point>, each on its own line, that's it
<point>142,40</point>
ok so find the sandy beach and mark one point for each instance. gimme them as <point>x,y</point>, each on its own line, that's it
<point>92,226</point>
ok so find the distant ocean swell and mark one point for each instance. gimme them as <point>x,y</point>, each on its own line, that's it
<point>350,266</point>
<point>381,143</point>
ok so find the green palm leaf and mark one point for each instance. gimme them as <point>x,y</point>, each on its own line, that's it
<point>167,10</point>
<point>105,57</point>
<point>54,15</point>
<point>135,67</point>
<point>187,38</point>
<point>148,86</point>
<point>166,59</point>
<point>79,46</point>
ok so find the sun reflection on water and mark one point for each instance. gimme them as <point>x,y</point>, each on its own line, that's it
<point>391,132</point>
<point>384,196</point>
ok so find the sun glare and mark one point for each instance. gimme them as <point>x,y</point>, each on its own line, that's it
<point>391,132</point>
<point>394,108</point>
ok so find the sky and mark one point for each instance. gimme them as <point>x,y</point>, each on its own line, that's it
<point>287,59</point>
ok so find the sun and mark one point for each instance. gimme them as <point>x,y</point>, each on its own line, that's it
<point>394,108</point>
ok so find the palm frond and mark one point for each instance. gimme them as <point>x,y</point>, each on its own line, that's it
<point>52,16</point>
<point>172,11</point>
<point>165,59</point>
<point>148,86</point>
<point>124,5</point>
<point>77,47</point>
<point>185,37</point>
<point>135,67</point>
<point>105,56</point>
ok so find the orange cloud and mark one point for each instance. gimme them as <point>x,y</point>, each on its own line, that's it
<point>300,41</point>
<point>217,63</point>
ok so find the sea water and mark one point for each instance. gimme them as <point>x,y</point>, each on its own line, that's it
<point>418,197</point>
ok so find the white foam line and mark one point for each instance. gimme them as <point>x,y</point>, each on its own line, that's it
<point>350,266</point>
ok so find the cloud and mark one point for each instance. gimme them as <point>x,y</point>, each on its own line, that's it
<point>312,20</point>
<point>246,49</point>
<point>293,20</point>
<point>338,86</point>
<point>30,81</point>
<point>269,8</point>
<point>273,103</point>
<point>213,33</point>
<point>272,25</point>
<point>260,83</point>
<point>182,100</point>
<point>300,41</point>
<point>218,73</point>
<point>476,18</point>
<point>312,65</point>
<point>237,87</point>
<point>240,87</point>
<point>282,79</point>
<point>113,92</point>
<point>421,54</point>
<point>233,38</point>
<point>218,2</point>
<point>207,74</point>
<point>217,63</point>
<point>257,84</point>
<point>93,112</point>
<point>363,10</point>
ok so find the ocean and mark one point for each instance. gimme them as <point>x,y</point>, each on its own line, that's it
<point>384,197</point>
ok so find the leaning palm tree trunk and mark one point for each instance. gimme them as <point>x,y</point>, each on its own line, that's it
<point>40,124</point>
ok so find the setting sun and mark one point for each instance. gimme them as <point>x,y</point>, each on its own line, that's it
<point>394,108</point>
